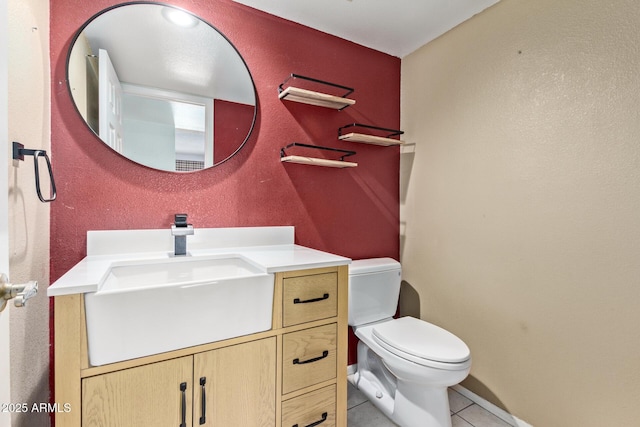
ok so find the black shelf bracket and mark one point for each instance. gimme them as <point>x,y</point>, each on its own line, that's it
<point>393,132</point>
<point>345,153</point>
<point>311,79</point>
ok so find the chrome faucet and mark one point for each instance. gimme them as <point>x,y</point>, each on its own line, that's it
<point>180,230</point>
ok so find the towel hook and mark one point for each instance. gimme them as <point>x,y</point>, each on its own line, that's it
<point>18,154</point>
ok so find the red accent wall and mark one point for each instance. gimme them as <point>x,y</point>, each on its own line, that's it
<point>230,123</point>
<point>350,212</point>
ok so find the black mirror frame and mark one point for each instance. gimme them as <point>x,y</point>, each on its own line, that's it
<point>96,15</point>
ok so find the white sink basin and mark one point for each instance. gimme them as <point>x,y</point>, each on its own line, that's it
<point>174,271</point>
<point>152,306</point>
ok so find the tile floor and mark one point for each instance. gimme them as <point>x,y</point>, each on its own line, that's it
<point>464,413</point>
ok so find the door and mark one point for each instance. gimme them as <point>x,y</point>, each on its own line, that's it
<point>110,100</point>
<point>5,418</point>
<point>158,394</point>
<point>237,385</point>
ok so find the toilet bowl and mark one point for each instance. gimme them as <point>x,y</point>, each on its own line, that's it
<point>405,365</point>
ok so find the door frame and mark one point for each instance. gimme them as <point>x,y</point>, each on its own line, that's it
<point>5,383</point>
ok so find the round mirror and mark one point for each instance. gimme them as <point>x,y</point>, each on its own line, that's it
<point>161,87</point>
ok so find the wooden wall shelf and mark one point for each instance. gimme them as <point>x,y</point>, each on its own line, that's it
<point>370,139</point>
<point>311,97</point>
<point>315,98</point>
<point>316,161</point>
<point>385,141</point>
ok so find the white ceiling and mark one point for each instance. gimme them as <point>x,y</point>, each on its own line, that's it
<point>396,27</point>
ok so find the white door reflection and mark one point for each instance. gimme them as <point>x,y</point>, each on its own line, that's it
<point>176,128</point>
<point>110,96</point>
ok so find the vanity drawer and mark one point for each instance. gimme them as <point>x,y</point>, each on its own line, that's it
<point>311,408</point>
<point>308,298</point>
<point>309,357</point>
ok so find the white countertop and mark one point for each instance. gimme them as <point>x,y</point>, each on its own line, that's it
<point>86,275</point>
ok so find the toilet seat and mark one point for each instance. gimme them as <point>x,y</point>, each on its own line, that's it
<point>422,342</point>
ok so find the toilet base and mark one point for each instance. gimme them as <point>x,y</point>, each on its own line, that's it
<point>416,406</point>
<point>383,401</point>
<point>406,403</point>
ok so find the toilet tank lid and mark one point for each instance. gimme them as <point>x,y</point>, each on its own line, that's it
<point>373,265</point>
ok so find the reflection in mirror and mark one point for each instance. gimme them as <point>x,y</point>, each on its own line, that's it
<point>161,87</point>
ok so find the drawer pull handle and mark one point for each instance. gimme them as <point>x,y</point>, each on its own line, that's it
<point>183,391</point>
<point>323,297</point>
<point>297,361</point>
<point>203,415</point>
<point>323,419</point>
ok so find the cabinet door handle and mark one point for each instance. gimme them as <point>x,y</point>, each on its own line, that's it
<point>323,297</point>
<point>183,391</point>
<point>320,421</point>
<point>297,361</point>
<point>203,413</point>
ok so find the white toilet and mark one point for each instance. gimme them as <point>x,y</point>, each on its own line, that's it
<point>404,365</point>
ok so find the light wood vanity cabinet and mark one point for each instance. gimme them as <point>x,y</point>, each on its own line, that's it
<point>293,374</point>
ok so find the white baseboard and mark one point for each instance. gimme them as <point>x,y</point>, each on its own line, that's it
<point>495,410</point>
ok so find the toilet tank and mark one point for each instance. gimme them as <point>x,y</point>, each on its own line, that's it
<point>374,288</point>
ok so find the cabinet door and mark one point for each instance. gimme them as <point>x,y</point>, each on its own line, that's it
<point>238,385</point>
<point>158,394</point>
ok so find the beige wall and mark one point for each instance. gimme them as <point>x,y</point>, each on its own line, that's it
<point>521,204</point>
<point>29,123</point>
